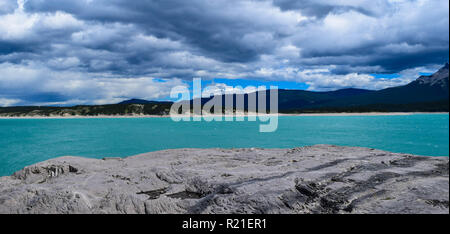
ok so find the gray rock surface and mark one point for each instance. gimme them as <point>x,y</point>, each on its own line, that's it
<point>317,179</point>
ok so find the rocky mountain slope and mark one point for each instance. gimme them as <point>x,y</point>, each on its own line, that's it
<point>318,179</point>
<point>439,79</point>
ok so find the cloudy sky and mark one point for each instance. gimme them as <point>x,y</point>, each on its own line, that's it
<point>67,52</point>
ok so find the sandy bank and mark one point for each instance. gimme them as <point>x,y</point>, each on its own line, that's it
<point>166,116</point>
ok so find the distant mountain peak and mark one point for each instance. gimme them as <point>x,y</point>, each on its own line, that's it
<point>135,101</point>
<point>440,78</point>
<point>142,101</point>
<point>348,92</point>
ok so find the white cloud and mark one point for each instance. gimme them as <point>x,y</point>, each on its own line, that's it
<point>59,20</point>
<point>16,25</point>
<point>5,102</point>
<point>221,89</point>
<point>325,82</point>
<point>20,25</point>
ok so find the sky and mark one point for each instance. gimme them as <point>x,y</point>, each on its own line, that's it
<point>69,52</point>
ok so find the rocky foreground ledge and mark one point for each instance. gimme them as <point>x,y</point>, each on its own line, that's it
<point>318,179</point>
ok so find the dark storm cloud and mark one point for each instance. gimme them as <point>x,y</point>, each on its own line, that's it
<point>215,29</point>
<point>80,44</point>
<point>390,61</point>
<point>10,47</point>
<point>218,29</point>
<point>320,8</point>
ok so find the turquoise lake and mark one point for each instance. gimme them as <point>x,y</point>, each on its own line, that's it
<point>28,141</point>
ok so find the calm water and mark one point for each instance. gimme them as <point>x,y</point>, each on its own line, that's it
<point>27,141</point>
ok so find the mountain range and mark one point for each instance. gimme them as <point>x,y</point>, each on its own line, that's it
<point>426,94</point>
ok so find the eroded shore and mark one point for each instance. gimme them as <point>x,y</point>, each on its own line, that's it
<point>316,179</point>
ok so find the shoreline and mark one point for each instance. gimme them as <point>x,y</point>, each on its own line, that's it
<point>240,115</point>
